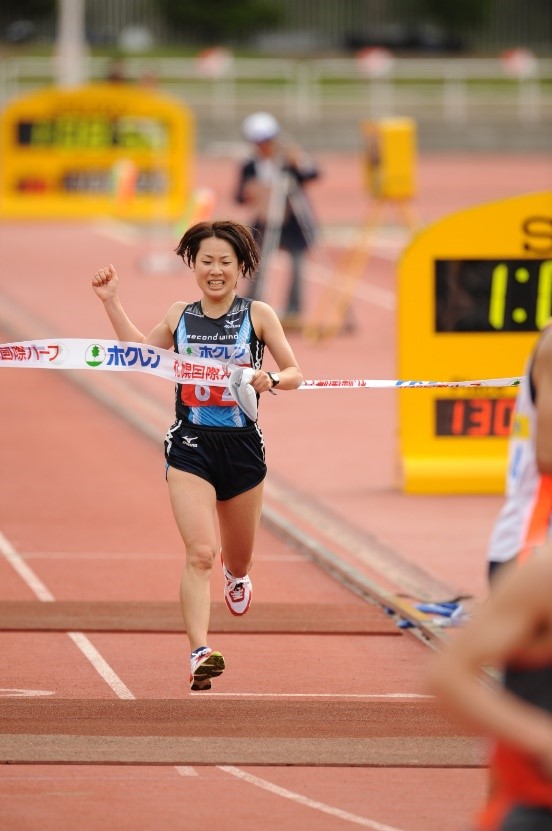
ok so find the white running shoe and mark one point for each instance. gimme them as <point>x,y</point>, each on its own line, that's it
<point>237,592</point>
<point>204,665</point>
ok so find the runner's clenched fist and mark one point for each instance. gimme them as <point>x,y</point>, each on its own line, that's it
<point>104,282</point>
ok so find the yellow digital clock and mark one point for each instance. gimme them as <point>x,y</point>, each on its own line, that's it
<point>94,132</point>
<point>62,152</point>
<point>474,290</point>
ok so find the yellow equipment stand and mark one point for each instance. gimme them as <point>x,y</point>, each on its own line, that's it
<point>389,175</point>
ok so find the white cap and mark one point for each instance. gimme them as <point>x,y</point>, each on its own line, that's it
<point>259,127</point>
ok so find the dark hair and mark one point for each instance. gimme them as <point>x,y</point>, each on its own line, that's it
<point>240,238</point>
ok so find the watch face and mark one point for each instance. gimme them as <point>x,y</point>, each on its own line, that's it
<point>275,377</point>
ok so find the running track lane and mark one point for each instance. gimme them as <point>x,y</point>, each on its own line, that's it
<point>446,183</point>
<point>92,521</point>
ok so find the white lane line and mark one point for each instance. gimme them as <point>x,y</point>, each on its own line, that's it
<point>100,665</point>
<point>70,555</point>
<point>378,297</point>
<point>70,777</point>
<point>117,230</point>
<point>383,249</point>
<point>79,639</point>
<point>119,688</point>
<point>383,298</point>
<point>15,692</point>
<point>382,696</point>
<point>304,800</point>
<point>89,555</point>
<point>351,238</point>
<point>25,572</point>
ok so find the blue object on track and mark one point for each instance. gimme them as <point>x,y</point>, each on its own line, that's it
<point>444,609</point>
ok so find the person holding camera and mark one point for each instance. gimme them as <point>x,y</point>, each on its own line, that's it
<point>272,183</point>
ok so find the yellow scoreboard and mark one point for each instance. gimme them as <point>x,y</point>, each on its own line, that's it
<point>474,290</point>
<point>101,149</point>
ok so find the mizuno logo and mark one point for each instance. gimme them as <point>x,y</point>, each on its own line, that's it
<point>189,441</point>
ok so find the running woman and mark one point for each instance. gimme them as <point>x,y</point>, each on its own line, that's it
<point>525,519</point>
<point>214,452</point>
<point>513,633</point>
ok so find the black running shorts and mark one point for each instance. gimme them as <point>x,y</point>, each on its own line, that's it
<point>233,460</point>
<point>528,819</point>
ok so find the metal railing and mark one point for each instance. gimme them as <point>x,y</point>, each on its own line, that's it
<point>454,91</point>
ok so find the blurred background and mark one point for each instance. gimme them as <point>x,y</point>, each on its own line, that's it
<point>121,124</point>
<point>475,75</point>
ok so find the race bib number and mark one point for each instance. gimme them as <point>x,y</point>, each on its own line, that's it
<point>200,395</point>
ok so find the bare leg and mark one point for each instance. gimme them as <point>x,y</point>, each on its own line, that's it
<point>193,503</point>
<point>239,520</point>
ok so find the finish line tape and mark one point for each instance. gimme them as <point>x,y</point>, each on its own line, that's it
<point>204,365</point>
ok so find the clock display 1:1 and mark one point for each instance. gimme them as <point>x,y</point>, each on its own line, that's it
<point>492,295</point>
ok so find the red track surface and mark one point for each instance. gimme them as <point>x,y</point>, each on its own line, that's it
<point>83,505</point>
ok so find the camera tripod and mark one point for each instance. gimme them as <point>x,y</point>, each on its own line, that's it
<point>332,313</point>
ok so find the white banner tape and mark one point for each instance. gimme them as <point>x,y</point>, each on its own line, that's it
<point>387,384</point>
<point>208,365</point>
<point>209,368</point>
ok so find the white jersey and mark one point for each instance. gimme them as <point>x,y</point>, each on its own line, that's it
<point>524,520</point>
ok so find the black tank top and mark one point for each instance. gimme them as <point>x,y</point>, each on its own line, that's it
<point>531,684</point>
<point>227,338</point>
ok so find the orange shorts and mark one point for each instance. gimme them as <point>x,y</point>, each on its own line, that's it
<point>516,782</point>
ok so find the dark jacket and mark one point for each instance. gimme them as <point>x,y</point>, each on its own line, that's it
<point>298,225</point>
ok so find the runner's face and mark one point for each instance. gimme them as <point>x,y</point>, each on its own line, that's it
<point>216,268</point>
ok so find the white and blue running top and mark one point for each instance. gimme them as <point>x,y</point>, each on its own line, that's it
<point>228,338</point>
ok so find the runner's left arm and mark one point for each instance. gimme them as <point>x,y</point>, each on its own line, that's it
<point>269,329</point>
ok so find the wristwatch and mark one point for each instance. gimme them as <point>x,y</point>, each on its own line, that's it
<point>274,377</point>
